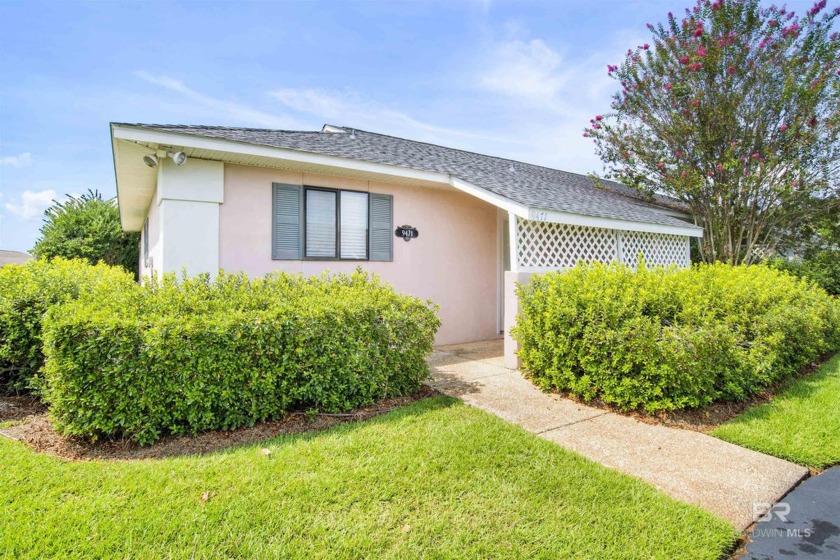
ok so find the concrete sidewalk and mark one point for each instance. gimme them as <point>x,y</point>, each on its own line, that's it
<point>720,477</point>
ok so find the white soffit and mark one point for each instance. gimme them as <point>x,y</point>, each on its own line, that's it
<point>136,183</point>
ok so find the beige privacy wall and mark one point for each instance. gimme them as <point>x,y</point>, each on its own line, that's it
<point>453,262</point>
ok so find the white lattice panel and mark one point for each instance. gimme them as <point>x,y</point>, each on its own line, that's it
<point>658,249</point>
<point>547,245</point>
<point>550,245</point>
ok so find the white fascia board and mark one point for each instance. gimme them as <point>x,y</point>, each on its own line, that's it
<point>496,200</point>
<point>115,154</point>
<point>542,215</point>
<point>221,145</point>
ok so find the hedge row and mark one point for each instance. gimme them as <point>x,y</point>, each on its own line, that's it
<point>671,339</point>
<point>27,292</point>
<point>178,357</point>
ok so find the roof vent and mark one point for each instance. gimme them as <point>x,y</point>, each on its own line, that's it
<point>333,129</point>
<point>512,169</point>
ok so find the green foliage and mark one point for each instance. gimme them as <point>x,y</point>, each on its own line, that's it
<point>671,339</point>
<point>820,266</point>
<point>27,292</point>
<point>88,228</point>
<point>181,356</point>
<point>733,110</point>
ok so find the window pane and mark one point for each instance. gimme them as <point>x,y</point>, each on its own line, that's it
<point>354,225</point>
<point>320,223</point>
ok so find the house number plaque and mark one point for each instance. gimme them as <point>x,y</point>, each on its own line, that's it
<point>407,233</point>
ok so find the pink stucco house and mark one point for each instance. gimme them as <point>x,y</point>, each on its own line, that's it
<point>451,226</point>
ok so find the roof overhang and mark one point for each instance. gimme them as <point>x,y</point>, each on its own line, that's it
<point>136,182</point>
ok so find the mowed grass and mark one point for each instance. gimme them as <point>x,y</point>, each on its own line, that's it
<point>802,424</point>
<point>434,479</point>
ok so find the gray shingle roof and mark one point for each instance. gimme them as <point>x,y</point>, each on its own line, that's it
<point>524,183</point>
<point>14,257</point>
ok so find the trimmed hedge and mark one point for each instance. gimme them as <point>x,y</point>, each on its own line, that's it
<point>27,292</point>
<point>178,357</point>
<point>671,339</point>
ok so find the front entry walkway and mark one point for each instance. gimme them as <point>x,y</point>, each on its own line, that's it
<point>725,479</point>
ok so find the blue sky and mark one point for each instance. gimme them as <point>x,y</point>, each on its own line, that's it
<point>515,79</point>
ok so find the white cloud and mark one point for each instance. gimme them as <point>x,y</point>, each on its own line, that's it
<point>546,95</point>
<point>31,204</point>
<point>19,160</point>
<point>232,110</point>
<point>530,70</point>
<point>349,108</point>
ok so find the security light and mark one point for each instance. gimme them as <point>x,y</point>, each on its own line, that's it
<point>180,158</point>
<point>151,160</point>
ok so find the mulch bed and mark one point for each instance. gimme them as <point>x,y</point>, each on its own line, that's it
<point>19,408</point>
<point>34,429</point>
<point>707,418</point>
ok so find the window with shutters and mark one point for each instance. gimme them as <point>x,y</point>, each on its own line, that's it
<point>331,224</point>
<point>336,224</point>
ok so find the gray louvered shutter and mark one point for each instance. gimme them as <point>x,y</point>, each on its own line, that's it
<point>286,222</point>
<point>381,226</point>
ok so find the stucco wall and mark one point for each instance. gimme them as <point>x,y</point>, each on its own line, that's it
<point>453,262</point>
<point>191,230</point>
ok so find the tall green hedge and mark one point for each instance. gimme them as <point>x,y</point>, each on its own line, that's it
<point>176,357</point>
<point>27,292</point>
<point>671,339</point>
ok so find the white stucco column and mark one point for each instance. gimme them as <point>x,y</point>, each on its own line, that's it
<point>512,277</point>
<point>511,312</point>
<point>188,197</point>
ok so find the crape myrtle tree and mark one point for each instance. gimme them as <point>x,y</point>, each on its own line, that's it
<point>734,110</point>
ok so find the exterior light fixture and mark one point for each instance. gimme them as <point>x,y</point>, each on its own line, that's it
<point>151,160</point>
<point>180,158</point>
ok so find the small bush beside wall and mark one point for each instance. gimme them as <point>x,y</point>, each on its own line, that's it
<point>179,357</point>
<point>27,292</point>
<point>671,339</point>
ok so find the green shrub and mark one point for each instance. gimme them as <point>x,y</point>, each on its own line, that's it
<point>184,356</point>
<point>671,339</point>
<point>87,227</point>
<point>821,266</point>
<point>27,292</point>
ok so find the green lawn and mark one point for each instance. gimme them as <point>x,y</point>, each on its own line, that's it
<point>802,424</point>
<point>435,479</point>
